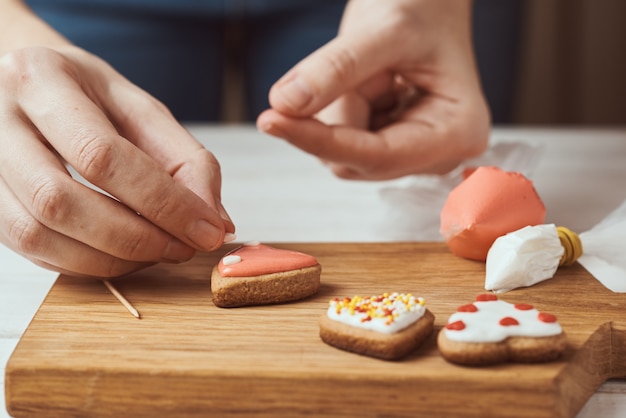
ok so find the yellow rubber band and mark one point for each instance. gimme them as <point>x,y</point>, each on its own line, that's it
<point>571,243</point>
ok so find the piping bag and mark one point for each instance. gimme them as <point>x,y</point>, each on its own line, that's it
<point>489,203</point>
<point>534,253</point>
<point>414,203</point>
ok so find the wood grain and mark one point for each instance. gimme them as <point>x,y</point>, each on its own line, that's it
<point>84,355</point>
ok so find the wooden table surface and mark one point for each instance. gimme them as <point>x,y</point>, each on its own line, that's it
<point>580,176</point>
<point>84,355</point>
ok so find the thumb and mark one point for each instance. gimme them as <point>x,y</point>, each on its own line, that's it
<point>328,73</point>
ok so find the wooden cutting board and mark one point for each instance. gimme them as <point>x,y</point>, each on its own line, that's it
<point>84,355</point>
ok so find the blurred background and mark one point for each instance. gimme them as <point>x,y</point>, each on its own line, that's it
<point>542,62</point>
<point>572,63</point>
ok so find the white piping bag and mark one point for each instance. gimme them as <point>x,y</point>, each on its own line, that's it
<point>532,254</point>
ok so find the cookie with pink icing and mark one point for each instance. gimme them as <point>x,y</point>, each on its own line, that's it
<point>387,326</point>
<point>490,331</point>
<point>257,274</point>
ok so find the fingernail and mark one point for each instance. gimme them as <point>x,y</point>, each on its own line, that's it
<point>265,126</point>
<point>204,235</point>
<point>295,92</point>
<point>271,129</point>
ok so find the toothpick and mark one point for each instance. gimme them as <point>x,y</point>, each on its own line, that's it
<point>122,299</point>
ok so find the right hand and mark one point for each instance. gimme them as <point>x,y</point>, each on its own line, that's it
<point>396,93</point>
<point>65,106</point>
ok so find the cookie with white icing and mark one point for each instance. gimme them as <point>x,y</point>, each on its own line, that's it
<point>257,274</point>
<point>490,331</point>
<point>388,326</point>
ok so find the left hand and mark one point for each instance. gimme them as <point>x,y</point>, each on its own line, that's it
<point>62,107</point>
<point>395,93</point>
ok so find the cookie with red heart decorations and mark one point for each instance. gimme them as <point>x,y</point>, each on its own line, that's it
<point>490,331</point>
<point>257,274</point>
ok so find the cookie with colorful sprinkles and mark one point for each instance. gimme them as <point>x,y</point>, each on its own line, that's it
<point>258,274</point>
<point>387,326</point>
<point>490,331</point>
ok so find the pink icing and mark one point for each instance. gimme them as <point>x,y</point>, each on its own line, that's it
<point>262,259</point>
<point>489,203</point>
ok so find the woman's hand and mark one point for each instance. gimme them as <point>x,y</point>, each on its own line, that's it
<point>395,93</point>
<point>65,107</point>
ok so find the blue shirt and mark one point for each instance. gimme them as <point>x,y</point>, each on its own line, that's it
<point>223,8</point>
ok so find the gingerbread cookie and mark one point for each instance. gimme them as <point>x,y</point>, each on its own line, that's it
<point>257,274</point>
<point>388,326</point>
<point>491,331</point>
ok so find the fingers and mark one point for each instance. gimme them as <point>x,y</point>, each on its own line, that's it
<point>166,198</point>
<point>430,137</point>
<point>396,93</point>
<point>358,149</point>
<point>372,105</point>
<point>201,174</point>
<point>52,201</point>
<point>151,127</point>
<point>326,74</point>
<point>77,128</point>
<point>52,250</point>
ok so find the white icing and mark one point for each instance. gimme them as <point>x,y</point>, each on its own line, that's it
<point>483,325</point>
<point>404,315</point>
<point>231,259</point>
<point>251,243</point>
<point>522,258</point>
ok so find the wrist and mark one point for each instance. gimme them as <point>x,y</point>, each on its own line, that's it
<point>21,28</point>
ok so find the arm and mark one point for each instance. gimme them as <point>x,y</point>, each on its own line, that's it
<point>61,105</point>
<point>21,28</point>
